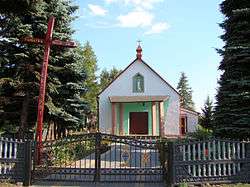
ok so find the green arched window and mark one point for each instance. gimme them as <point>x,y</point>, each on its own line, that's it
<point>138,83</point>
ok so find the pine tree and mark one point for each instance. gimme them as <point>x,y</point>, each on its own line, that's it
<point>232,112</point>
<point>186,92</point>
<point>20,67</point>
<point>206,119</point>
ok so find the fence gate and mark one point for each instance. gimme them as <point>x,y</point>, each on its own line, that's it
<point>130,160</point>
<point>100,157</point>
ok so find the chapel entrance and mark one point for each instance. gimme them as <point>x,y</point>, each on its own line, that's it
<point>138,123</point>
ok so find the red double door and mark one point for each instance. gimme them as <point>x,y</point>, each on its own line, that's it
<point>138,123</point>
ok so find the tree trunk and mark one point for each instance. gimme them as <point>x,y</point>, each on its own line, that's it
<point>24,116</point>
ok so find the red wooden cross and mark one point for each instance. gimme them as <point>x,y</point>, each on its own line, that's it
<point>47,42</point>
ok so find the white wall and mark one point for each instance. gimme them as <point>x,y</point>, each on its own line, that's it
<point>192,122</point>
<point>192,119</point>
<point>153,85</point>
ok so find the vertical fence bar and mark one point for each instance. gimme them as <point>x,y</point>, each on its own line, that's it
<point>219,168</point>
<point>189,158</point>
<point>5,155</point>
<point>209,157</point>
<point>229,169</point>
<point>219,149</point>
<point>199,158</point>
<point>1,149</point>
<point>194,152</point>
<point>224,157</point>
<point>209,150</point>
<point>199,151</point>
<point>204,152</point>
<point>234,151</point>
<point>243,150</point>
<point>214,157</point>
<point>171,167</point>
<point>10,154</point>
<point>234,157</point>
<point>214,150</point>
<point>223,150</point>
<point>238,155</point>
<point>238,151</point>
<point>228,150</point>
<point>194,170</point>
<point>28,163</point>
<point>184,152</point>
<point>97,157</point>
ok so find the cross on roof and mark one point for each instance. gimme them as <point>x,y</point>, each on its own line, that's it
<point>139,42</point>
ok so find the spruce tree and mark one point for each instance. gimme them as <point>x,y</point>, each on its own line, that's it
<point>186,92</point>
<point>232,112</point>
<point>20,67</point>
<point>206,118</point>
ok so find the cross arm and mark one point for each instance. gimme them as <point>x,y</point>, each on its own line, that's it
<point>33,40</point>
<point>69,44</point>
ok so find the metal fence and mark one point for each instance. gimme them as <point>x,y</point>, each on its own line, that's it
<point>15,160</point>
<point>100,157</point>
<point>103,157</point>
<point>211,161</point>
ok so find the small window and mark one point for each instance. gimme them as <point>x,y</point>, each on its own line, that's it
<point>138,83</point>
<point>183,125</point>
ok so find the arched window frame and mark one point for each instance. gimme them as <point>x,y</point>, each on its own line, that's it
<point>138,78</point>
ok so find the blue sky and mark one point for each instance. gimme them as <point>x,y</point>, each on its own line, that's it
<point>176,35</point>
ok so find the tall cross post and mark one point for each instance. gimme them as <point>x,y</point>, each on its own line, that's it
<point>47,42</point>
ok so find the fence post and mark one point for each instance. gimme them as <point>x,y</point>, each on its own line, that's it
<point>27,163</point>
<point>98,138</point>
<point>170,165</point>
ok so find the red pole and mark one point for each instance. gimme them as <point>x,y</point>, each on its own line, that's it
<point>43,79</point>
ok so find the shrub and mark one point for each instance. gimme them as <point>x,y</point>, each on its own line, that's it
<point>201,133</point>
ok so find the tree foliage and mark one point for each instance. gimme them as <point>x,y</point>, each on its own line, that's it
<point>107,77</point>
<point>90,65</point>
<point>232,112</point>
<point>186,92</point>
<point>20,66</point>
<point>206,118</point>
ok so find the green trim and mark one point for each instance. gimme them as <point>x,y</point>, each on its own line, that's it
<point>137,107</point>
<point>166,106</point>
<point>157,119</point>
<point>117,110</point>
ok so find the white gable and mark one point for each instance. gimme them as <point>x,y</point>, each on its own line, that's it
<point>153,85</point>
<point>123,85</point>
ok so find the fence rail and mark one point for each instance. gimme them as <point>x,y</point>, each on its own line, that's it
<point>213,161</point>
